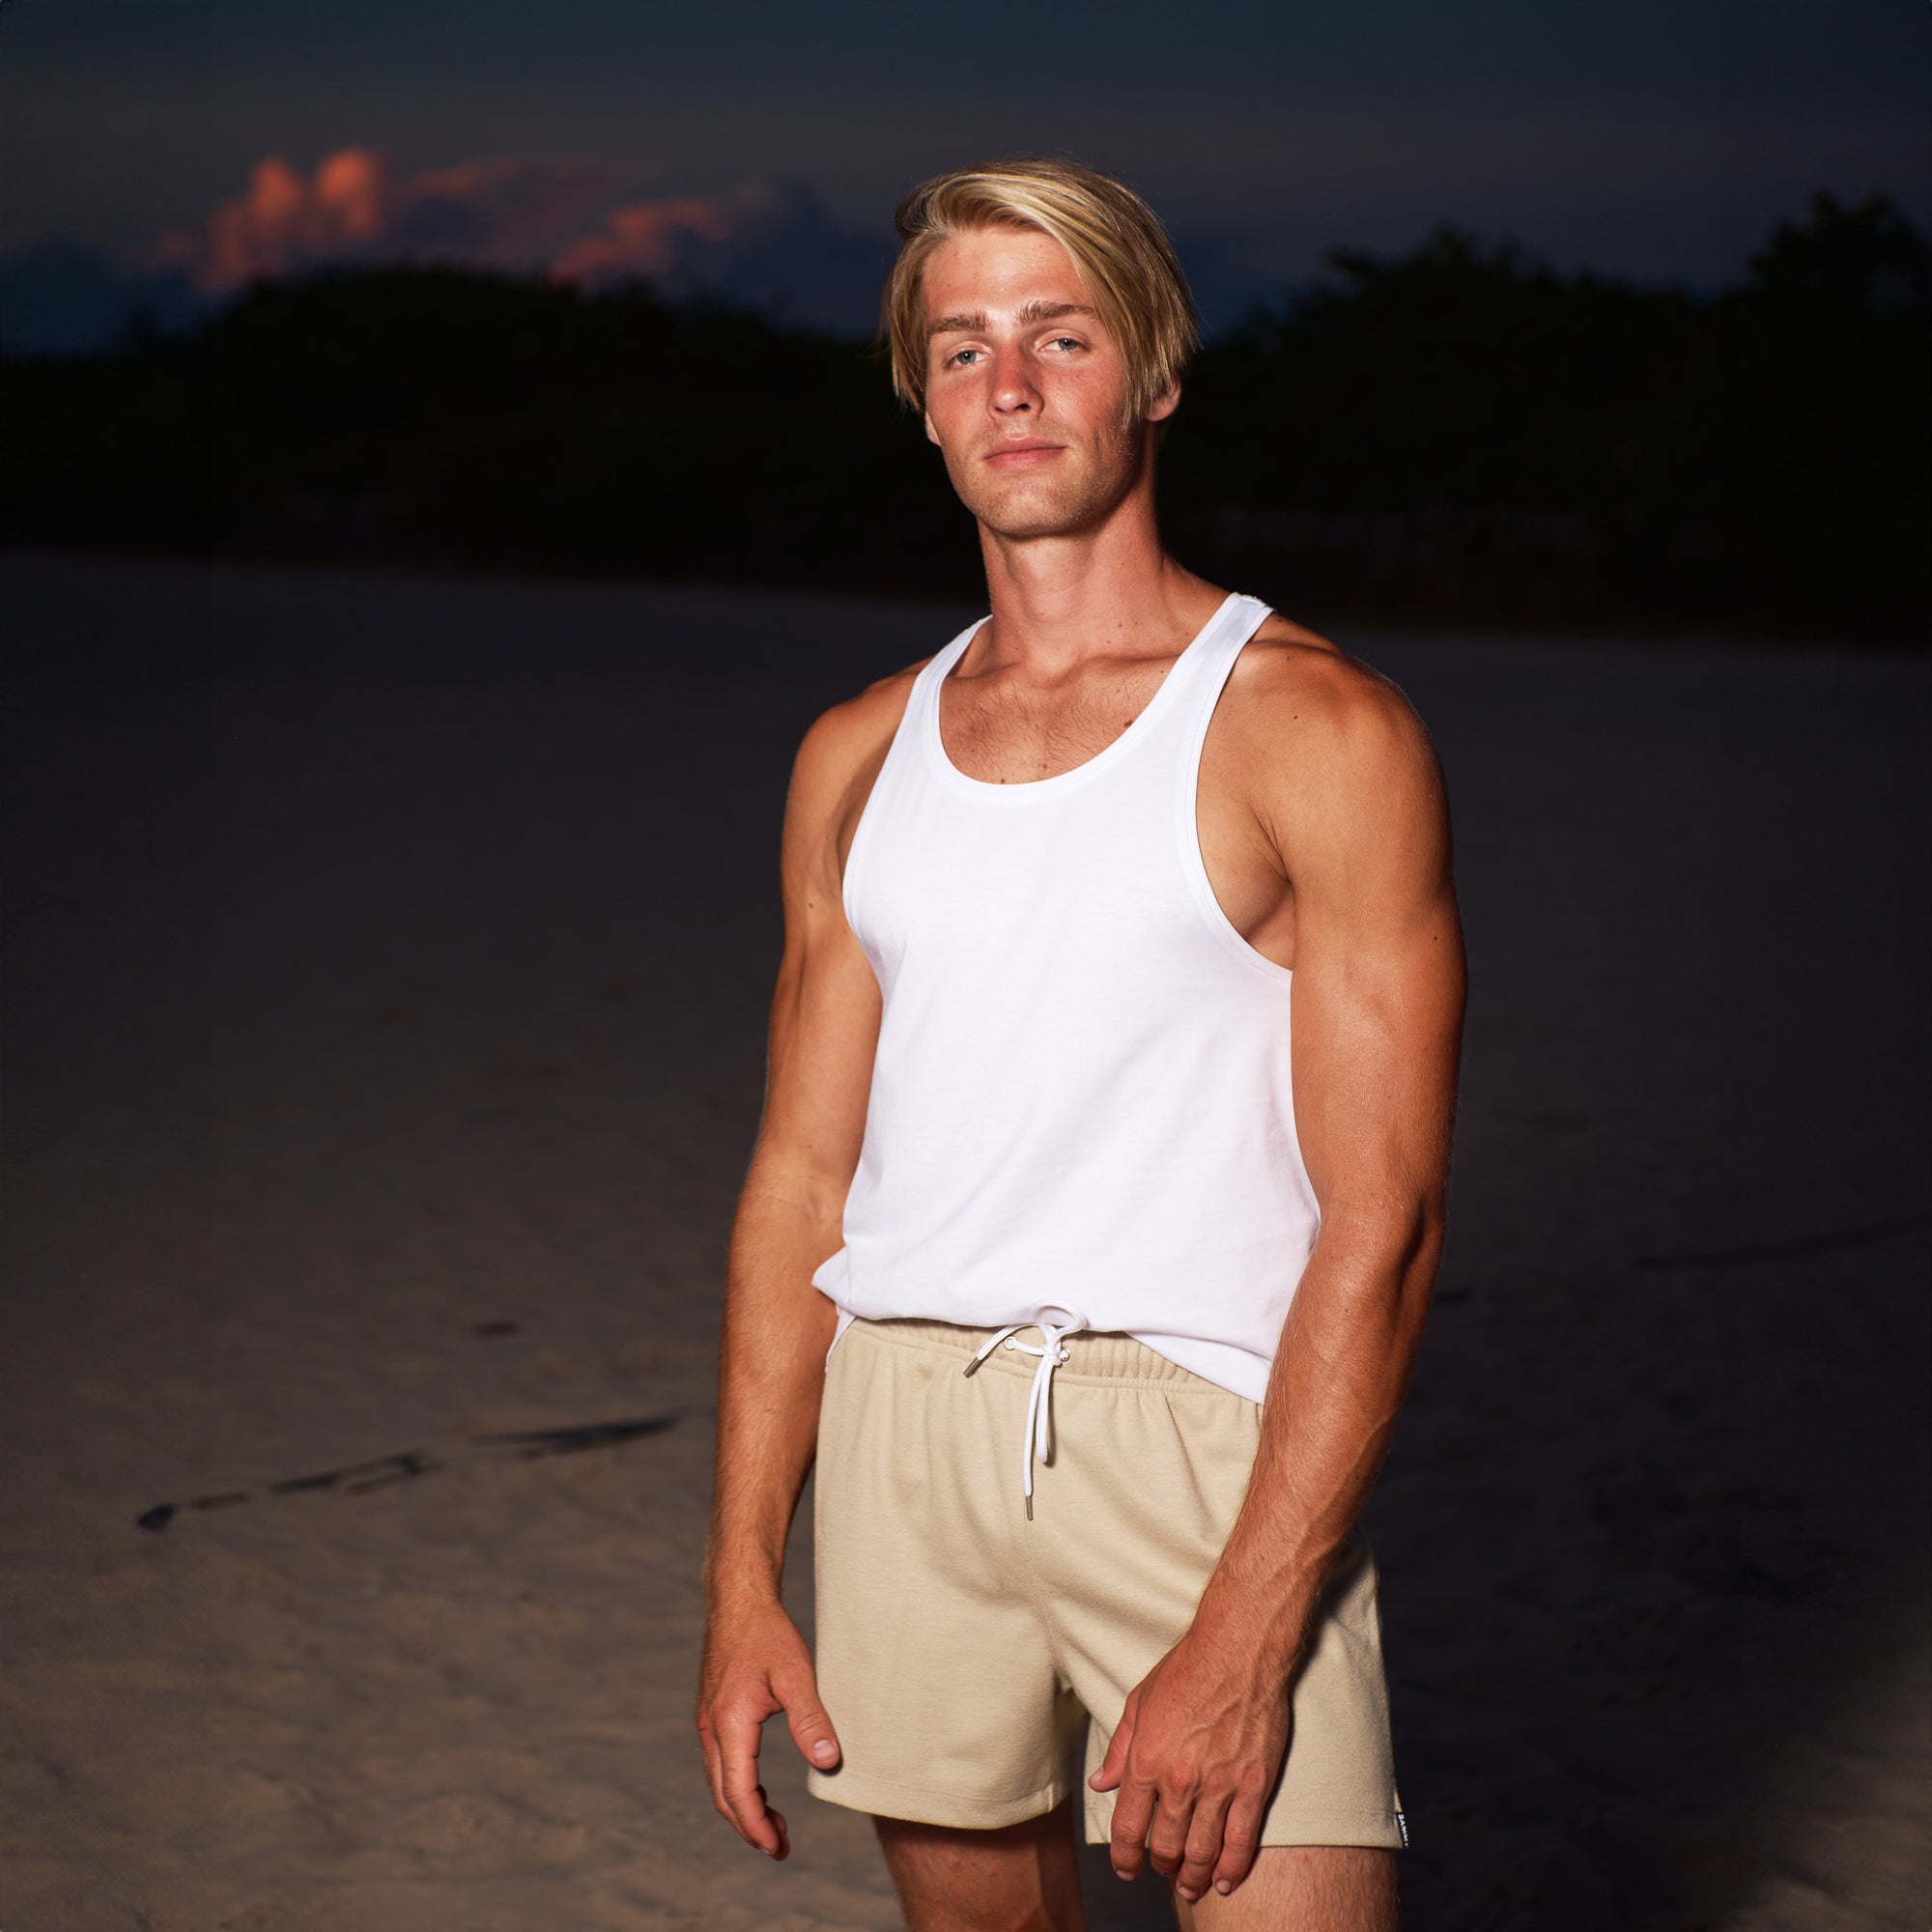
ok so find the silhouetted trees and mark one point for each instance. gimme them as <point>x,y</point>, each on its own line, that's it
<point>1458,434</point>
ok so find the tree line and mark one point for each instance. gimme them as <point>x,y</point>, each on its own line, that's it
<point>1454,434</point>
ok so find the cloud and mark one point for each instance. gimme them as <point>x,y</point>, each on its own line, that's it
<point>769,244</point>
<point>657,237</point>
<point>576,218</point>
<point>511,211</point>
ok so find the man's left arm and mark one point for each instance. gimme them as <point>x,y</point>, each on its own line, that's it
<point>1355,808</point>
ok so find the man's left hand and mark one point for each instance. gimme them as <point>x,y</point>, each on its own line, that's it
<point>1195,1758</point>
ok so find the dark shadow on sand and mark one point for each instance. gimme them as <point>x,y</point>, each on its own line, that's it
<point>407,1465</point>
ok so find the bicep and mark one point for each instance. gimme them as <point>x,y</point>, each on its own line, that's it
<point>824,1031</point>
<point>1378,976</point>
<point>826,1006</point>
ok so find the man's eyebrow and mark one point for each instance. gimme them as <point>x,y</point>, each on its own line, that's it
<point>1034,311</point>
<point>1046,311</point>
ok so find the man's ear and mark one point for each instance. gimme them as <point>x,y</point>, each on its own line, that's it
<point>931,434</point>
<point>1165,404</point>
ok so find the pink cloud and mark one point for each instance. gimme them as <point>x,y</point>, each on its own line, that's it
<point>575,218</point>
<point>283,221</point>
<point>660,237</point>
<point>562,214</point>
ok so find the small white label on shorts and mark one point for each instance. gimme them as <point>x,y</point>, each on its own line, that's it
<point>1402,1826</point>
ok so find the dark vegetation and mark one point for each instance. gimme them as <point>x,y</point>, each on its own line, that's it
<point>1457,435</point>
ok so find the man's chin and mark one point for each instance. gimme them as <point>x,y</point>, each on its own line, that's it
<point>1021,516</point>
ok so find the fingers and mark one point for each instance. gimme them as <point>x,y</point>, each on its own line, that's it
<point>1167,1841</point>
<point>713,1762</point>
<point>738,1734</point>
<point>1190,1795</point>
<point>1241,1837</point>
<point>1202,1847</point>
<point>811,1728</point>
<point>1113,1767</point>
<point>750,1674</point>
<point>1133,1814</point>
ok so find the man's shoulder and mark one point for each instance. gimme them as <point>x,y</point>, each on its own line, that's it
<point>1296,699</point>
<point>853,734</point>
<point>1332,760</point>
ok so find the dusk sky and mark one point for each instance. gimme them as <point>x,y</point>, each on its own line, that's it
<point>764,145</point>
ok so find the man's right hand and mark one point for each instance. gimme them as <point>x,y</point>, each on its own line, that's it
<point>755,1665</point>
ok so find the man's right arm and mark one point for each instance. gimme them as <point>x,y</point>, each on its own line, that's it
<point>824,1029</point>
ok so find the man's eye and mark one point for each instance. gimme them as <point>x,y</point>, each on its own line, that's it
<point>960,354</point>
<point>1067,342</point>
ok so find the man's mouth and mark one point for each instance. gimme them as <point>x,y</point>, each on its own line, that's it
<point>1027,454</point>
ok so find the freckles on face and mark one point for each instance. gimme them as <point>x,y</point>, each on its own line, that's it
<point>1015,343</point>
<point>1026,387</point>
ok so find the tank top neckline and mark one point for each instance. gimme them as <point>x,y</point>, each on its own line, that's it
<point>1165,696</point>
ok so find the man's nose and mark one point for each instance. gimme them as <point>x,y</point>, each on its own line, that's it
<point>1013,391</point>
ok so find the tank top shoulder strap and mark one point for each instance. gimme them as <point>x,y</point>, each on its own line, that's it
<point>925,694</point>
<point>904,767</point>
<point>902,755</point>
<point>1209,661</point>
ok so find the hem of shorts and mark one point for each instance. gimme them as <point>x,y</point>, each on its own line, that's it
<point>1376,1830</point>
<point>917,1804</point>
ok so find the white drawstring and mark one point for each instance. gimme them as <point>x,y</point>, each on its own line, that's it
<point>1038,1439</point>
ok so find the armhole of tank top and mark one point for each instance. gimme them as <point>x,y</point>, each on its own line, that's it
<point>855,851</point>
<point>905,734</point>
<point>1187,820</point>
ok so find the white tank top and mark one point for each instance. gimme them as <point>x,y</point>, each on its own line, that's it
<point>1081,1103</point>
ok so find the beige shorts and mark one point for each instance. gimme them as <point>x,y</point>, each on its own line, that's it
<point>963,1649</point>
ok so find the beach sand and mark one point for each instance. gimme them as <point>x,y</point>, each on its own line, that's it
<point>383,973</point>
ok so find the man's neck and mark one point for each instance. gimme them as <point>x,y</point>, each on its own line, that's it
<point>1108,593</point>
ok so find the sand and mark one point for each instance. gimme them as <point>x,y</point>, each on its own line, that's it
<point>383,969</point>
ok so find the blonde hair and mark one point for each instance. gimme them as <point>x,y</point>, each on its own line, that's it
<point>1114,239</point>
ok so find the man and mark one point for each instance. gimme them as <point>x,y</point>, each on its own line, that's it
<point>1121,1278</point>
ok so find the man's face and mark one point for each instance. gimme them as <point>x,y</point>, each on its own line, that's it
<point>1024,386</point>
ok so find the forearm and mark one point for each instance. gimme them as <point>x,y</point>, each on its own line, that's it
<point>1336,1384</point>
<point>771,1375</point>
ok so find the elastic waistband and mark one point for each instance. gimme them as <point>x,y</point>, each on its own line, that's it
<point>1108,1357</point>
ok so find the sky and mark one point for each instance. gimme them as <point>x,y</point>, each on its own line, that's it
<point>762,147</point>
